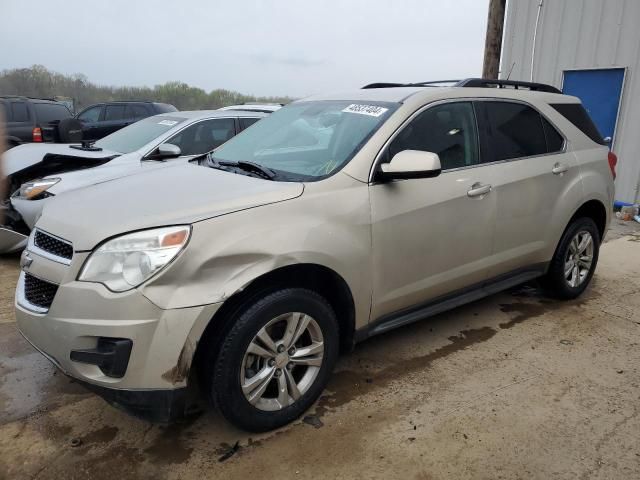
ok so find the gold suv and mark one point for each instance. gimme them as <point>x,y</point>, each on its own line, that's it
<point>336,218</point>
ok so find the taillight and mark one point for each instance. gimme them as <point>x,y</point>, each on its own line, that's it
<point>37,134</point>
<point>613,161</point>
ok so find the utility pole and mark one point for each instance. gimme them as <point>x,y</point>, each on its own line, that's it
<point>493,41</point>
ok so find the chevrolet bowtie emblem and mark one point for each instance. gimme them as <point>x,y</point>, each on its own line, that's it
<point>25,260</point>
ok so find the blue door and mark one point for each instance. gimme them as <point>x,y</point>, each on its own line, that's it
<point>600,92</point>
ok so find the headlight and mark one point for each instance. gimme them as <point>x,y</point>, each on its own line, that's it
<point>35,188</point>
<point>125,262</point>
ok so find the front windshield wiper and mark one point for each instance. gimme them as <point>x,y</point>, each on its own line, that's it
<point>250,167</point>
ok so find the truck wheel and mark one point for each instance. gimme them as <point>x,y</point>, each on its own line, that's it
<point>276,359</point>
<point>574,261</point>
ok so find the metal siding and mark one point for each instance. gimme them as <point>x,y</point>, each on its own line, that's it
<point>581,35</point>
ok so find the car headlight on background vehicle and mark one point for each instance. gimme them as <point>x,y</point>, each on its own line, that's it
<point>127,261</point>
<point>36,188</point>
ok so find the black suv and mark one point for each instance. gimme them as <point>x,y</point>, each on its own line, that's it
<point>32,119</point>
<point>101,119</point>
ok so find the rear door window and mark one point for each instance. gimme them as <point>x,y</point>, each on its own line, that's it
<point>555,141</point>
<point>137,111</point>
<point>247,122</point>
<point>114,112</point>
<point>51,112</point>
<point>19,112</point>
<point>510,130</point>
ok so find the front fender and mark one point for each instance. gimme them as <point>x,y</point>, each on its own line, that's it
<point>227,253</point>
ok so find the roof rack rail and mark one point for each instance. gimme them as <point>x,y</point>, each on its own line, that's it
<point>473,82</point>
<point>417,84</point>
<point>516,84</point>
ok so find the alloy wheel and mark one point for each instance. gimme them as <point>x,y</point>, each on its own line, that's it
<point>282,361</point>
<point>579,258</point>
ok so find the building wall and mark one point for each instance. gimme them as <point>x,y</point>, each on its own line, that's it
<point>582,34</point>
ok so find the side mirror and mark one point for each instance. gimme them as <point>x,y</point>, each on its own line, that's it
<point>412,164</point>
<point>166,150</point>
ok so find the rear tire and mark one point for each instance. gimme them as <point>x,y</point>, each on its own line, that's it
<point>574,261</point>
<point>265,377</point>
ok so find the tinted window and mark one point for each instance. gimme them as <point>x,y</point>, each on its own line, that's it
<point>91,115</point>
<point>512,130</point>
<point>448,130</point>
<point>576,114</point>
<point>247,122</point>
<point>555,142</point>
<point>203,137</point>
<point>49,112</point>
<point>114,112</point>
<point>137,111</point>
<point>137,135</point>
<point>19,112</point>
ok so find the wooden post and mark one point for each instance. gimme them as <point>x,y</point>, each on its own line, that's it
<point>493,41</point>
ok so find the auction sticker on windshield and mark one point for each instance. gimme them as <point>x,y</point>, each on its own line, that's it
<point>170,123</point>
<point>371,110</point>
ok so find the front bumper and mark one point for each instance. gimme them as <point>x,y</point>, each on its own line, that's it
<point>163,341</point>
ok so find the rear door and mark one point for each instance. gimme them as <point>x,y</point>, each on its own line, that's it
<point>535,181</point>
<point>114,118</point>
<point>90,119</point>
<point>432,236</point>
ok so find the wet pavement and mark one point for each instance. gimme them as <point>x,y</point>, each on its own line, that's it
<point>513,386</point>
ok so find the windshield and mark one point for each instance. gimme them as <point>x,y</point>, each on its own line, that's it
<point>136,135</point>
<point>307,140</point>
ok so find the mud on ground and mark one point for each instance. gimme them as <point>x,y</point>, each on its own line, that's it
<point>513,386</point>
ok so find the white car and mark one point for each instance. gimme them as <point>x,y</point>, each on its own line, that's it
<point>38,171</point>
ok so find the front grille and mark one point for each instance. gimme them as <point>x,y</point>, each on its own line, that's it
<point>39,292</point>
<point>53,245</point>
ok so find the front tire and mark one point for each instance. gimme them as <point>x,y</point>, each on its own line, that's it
<point>574,261</point>
<point>275,360</point>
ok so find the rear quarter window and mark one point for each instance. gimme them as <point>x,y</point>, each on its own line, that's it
<point>576,114</point>
<point>50,112</point>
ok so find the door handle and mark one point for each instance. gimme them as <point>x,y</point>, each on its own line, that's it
<point>478,189</point>
<point>559,168</point>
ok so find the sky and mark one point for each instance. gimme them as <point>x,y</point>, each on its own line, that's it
<point>276,47</point>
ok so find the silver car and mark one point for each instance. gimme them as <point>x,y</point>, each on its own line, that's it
<point>336,218</point>
<point>51,169</point>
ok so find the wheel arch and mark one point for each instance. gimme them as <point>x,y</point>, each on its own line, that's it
<point>595,210</point>
<point>319,278</point>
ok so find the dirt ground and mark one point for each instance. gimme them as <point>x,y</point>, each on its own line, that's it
<point>513,386</point>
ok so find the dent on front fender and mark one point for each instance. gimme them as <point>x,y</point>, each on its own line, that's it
<point>330,228</point>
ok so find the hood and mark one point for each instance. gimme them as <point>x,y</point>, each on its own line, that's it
<point>176,194</point>
<point>24,156</point>
<point>123,166</point>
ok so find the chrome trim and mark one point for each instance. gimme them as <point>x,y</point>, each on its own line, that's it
<point>22,300</point>
<point>435,103</point>
<point>32,247</point>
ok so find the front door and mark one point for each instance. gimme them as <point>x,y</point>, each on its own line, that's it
<point>600,91</point>
<point>432,236</point>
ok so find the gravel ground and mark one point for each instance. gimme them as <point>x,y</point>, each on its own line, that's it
<point>512,386</point>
